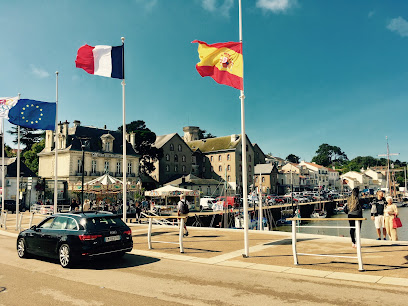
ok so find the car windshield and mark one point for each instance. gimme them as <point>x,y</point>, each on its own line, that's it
<point>106,222</point>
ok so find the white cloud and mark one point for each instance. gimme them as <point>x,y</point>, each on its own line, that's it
<point>399,25</point>
<point>39,72</point>
<point>371,14</point>
<point>276,6</point>
<point>222,7</point>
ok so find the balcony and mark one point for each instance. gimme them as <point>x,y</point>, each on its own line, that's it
<point>96,173</point>
<point>130,174</point>
<point>77,173</point>
<point>118,174</point>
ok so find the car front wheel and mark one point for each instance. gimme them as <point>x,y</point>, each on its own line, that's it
<point>21,248</point>
<point>65,256</point>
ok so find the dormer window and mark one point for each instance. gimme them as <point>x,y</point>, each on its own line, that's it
<point>107,142</point>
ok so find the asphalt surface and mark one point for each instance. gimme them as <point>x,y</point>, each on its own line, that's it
<point>156,279</point>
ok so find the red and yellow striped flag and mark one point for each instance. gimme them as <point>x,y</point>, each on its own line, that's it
<point>221,61</point>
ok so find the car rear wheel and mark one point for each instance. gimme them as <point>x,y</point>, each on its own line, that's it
<point>65,256</point>
<point>21,248</point>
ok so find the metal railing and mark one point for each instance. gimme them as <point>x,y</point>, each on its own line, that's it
<point>358,238</point>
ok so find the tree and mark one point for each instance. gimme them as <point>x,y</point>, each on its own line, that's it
<point>293,158</point>
<point>363,162</point>
<point>327,155</point>
<point>202,134</point>
<point>144,140</point>
<point>28,136</point>
<point>31,158</point>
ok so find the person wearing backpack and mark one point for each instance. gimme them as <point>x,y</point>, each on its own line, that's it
<point>183,210</point>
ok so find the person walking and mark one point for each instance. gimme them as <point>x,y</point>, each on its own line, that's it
<point>377,214</point>
<point>183,210</point>
<point>390,212</point>
<point>354,211</point>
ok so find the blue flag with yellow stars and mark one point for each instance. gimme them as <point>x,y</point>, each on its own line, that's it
<point>33,114</point>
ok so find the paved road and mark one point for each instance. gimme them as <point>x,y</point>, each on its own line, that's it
<point>139,280</point>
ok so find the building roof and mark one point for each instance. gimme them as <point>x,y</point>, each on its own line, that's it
<point>11,170</point>
<point>263,168</point>
<point>163,139</point>
<point>332,170</point>
<point>193,180</point>
<point>224,143</point>
<point>314,165</point>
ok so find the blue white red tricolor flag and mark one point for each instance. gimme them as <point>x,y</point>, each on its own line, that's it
<point>5,105</point>
<point>101,60</point>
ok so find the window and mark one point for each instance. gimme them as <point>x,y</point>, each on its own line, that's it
<point>167,168</point>
<point>203,159</point>
<point>79,167</point>
<point>228,168</point>
<point>249,168</point>
<point>229,178</point>
<point>93,166</point>
<point>183,168</point>
<point>175,158</point>
<point>249,158</point>
<point>59,223</point>
<point>263,180</point>
<point>107,146</point>
<point>129,168</point>
<point>167,157</point>
<point>117,167</point>
<point>72,224</point>
<point>211,158</point>
<point>47,223</point>
<point>179,148</point>
<point>171,147</point>
<point>220,168</point>
<point>176,168</point>
<point>228,157</point>
<point>208,189</point>
<point>219,158</point>
<point>183,158</point>
<point>256,179</point>
<point>106,166</point>
<point>203,169</point>
<point>240,167</point>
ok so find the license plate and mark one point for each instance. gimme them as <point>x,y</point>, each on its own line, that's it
<point>112,238</point>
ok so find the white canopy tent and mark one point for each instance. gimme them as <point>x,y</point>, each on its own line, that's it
<point>171,191</point>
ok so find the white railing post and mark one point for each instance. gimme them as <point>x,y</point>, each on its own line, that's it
<point>31,220</point>
<point>181,234</point>
<point>294,242</point>
<point>149,234</point>
<point>358,239</point>
<point>5,220</point>
<point>19,223</point>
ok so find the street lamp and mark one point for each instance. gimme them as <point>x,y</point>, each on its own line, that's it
<point>82,187</point>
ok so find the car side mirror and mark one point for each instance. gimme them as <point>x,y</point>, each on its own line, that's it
<point>34,227</point>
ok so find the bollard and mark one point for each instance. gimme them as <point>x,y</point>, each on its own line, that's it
<point>1,219</point>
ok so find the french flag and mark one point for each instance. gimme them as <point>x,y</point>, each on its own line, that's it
<point>102,60</point>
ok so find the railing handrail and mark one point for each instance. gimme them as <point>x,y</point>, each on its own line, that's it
<point>326,219</point>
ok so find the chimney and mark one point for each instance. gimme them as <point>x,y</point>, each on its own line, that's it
<point>77,123</point>
<point>234,137</point>
<point>132,139</point>
<point>104,126</point>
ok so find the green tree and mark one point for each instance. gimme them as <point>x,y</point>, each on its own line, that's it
<point>363,162</point>
<point>31,158</point>
<point>28,136</point>
<point>293,158</point>
<point>144,140</point>
<point>327,155</point>
<point>202,134</point>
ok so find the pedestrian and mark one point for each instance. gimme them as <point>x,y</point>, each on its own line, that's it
<point>377,214</point>
<point>354,210</point>
<point>87,205</point>
<point>390,212</point>
<point>138,211</point>
<point>183,210</point>
<point>74,205</point>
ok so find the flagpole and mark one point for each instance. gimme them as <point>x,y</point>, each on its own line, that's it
<point>244,152</point>
<point>124,166</point>
<point>18,177</point>
<point>2,161</point>
<point>56,148</point>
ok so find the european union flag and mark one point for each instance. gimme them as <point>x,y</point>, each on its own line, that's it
<point>33,114</point>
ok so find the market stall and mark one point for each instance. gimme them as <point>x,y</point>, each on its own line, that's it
<point>170,195</point>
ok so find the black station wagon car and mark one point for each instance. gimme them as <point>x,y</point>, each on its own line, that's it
<point>73,236</point>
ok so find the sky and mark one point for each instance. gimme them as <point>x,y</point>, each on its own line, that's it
<point>315,71</point>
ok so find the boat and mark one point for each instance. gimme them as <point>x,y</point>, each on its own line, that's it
<point>318,214</point>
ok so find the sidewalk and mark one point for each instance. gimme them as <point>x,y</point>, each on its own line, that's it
<point>384,262</point>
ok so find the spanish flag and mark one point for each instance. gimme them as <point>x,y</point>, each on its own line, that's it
<point>221,61</point>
